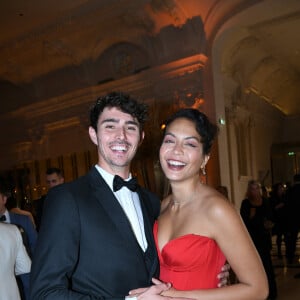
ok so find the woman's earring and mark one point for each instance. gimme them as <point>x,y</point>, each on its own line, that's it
<point>203,170</point>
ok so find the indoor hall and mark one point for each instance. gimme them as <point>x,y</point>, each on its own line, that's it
<point>235,60</point>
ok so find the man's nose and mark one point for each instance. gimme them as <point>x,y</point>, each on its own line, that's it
<point>121,133</point>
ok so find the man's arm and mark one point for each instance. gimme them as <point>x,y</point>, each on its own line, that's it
<point>57,252</point>
<point>23,262</point>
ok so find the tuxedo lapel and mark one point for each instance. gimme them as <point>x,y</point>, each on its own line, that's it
<point>105,197</point>
<point>151,254</point>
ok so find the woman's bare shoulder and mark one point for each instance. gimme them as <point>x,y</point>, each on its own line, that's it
<point>217,205</point>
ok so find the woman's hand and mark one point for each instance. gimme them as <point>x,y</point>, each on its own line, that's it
<point>153,292</point>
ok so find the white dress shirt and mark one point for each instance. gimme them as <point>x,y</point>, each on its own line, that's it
<point>131,205</point>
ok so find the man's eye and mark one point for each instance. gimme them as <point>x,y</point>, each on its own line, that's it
<point>109,126</point>
<point>132,128</point>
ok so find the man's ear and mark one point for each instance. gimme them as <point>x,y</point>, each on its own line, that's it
<point>142,138</point>
<point>93,135</point>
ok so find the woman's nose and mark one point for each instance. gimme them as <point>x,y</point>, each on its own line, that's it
<point>177,148</point>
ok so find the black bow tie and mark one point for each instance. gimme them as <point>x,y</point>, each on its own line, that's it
<point>2,218</point>
<point>119,183</point>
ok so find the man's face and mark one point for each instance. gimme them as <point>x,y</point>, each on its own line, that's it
<point>2,203</point>
<point>117,137</point>
<point>53,180</point>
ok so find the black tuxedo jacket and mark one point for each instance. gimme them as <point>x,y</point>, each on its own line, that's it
<point>86,248</point>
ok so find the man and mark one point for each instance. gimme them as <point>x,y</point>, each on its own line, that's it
<point>14,260</point>
<point>96,238</point>
<point>26,228</point>
<point>54,177</point>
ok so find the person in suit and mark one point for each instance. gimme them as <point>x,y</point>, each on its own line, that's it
<point>14,260</point>
<point>12,206</point>
<point>28,232</point>
<point>96,240</point>
<point>54,177</point>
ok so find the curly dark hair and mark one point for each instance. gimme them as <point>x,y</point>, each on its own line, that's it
<point>204,127</point>
<point>123,102</point>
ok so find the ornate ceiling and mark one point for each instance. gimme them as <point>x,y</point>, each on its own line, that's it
<point>48,49</point>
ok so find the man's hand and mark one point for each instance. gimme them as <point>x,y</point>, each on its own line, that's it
<point>224,276</point>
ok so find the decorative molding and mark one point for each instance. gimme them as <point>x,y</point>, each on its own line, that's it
<point>58,48</point>
<point>23,151</point>
<point>168,7</point>
<point>138,19</point>
<point>62,124</point>
<point>80,98</point>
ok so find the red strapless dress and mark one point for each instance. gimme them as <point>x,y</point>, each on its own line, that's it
<point>190,261</point>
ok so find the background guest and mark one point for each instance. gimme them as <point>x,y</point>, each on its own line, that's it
<point>279,215</point>
<point>293,224</point>
<point>54,177</point>
<point>14,260</point>
<point>256,214</point>
<point>26,227</point>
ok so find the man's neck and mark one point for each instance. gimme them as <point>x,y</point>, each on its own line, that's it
<point>123,172</point>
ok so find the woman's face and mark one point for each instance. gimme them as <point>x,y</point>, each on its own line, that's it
<point>280,190</point>
<point>255,190</point>
<point>181,152</point>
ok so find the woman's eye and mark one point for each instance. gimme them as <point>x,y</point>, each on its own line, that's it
<point>191,145</point>
<point>168,141</point>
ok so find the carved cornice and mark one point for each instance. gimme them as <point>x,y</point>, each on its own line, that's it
<point>145,79</point>
<point>62,124</point>
<point>23,151</point>
<point>170,8</point>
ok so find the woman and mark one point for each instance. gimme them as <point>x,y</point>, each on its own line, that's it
<point>198,229</point>
<point>278,204</point>
<point>256,213</point>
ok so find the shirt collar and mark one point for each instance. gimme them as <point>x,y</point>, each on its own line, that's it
<point>6,214</point>
<point>108,177</point>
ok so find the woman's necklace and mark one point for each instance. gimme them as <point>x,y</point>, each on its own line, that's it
<point>176,202</point>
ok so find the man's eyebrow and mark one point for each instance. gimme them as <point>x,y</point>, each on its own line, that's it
<point>132,122</point>
<point>112,120</point>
